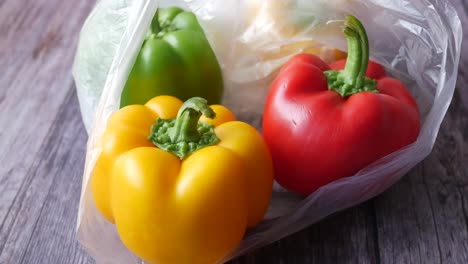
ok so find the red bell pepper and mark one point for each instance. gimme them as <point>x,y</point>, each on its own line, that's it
<point>323,124</point>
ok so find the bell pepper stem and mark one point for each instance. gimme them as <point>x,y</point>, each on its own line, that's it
<point>352,79</point>
<point>358,52</point>
<point>186,125</point>
<point>155,26</point>
<point>184,134</point>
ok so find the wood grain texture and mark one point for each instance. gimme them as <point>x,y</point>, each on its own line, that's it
<point>67,148</point>
<point>37,47</point>
<point>37,44</point>
<point>422,219</point>
<point>346,236</point>
<point>43,230</point>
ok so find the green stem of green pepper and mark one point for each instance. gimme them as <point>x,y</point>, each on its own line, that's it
<point>155,26</point>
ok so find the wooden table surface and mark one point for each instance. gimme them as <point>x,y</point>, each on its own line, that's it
<point>421,219</point>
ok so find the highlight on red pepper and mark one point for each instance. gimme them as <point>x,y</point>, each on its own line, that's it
<point>322,122</point>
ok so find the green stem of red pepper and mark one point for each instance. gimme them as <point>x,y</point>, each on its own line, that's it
<point>353,78</point>
<point>185,134</point>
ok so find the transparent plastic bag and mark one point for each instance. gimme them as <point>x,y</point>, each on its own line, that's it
<point>417,40</point>
<point>103,32</point>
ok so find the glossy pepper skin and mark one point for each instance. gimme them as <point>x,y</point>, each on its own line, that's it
<point>322,124</point>
<point>175,59</point>
<point>183,207</point>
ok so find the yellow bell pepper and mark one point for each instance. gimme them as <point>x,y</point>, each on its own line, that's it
<point>183,190</point>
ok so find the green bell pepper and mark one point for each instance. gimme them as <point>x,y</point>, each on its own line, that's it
<point>175,59</point>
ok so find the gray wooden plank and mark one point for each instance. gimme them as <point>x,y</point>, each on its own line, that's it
<point>63,152</point>
<point>37,48</point>
<point>345,237</point>
<point>52,239</point>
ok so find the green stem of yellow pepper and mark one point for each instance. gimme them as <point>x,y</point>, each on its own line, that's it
<point>186,124</point>
<point>185,134</point>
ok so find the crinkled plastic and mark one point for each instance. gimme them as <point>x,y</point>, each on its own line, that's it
<point>417,40</point>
